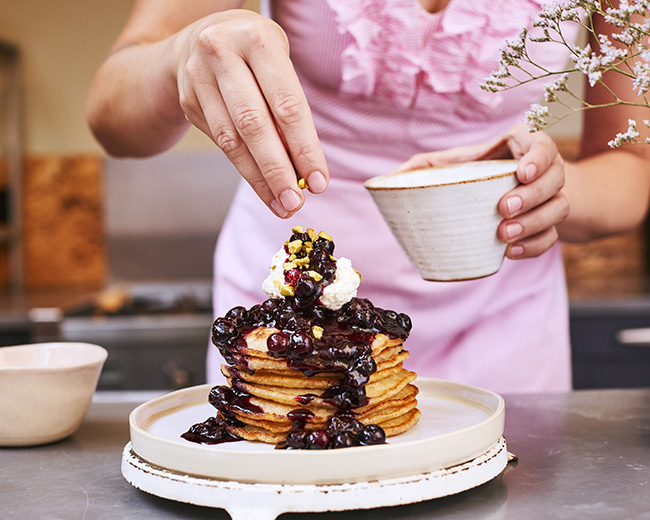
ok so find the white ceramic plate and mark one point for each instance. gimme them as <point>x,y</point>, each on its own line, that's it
<point>458,423</point>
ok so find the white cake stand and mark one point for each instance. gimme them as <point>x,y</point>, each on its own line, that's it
<point>246,501</point>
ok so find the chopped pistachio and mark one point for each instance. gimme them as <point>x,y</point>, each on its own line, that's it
<point>302,183</point>
<point>312,234</point>
<point>315,275</point>
<point>289,265</point>
<point>317,331</point>
<point>294,247</point>
<point>297,229</point>
<point>325,236</point>
<point>286,290</point>
<point>301,262</point>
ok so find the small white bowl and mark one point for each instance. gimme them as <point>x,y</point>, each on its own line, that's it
<point>46,390</point>
<point>446,217</point>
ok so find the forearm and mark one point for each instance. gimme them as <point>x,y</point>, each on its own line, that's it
<point>608,193</point>
<point>132,106</point>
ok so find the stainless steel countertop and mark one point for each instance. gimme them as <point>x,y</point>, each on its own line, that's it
<point>584,454</point>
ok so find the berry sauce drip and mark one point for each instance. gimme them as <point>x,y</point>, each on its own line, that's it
<point>313,339</point>
<point>342,430</point>
<point>213,430</point>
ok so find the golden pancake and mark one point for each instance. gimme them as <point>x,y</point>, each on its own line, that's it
<point>322,383</point>
<point>391,428</point>
<point>282,378</point>
<point>267,363</point>
<point>401,425</point>
<point>278,412</point>
<point>295,378</point>
<point>256,343</point>
<point>388,413</point>
<point>403,402</point>
<point>376,391</point>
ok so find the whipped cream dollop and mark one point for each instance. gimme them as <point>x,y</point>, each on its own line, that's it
<point>275,280</point>
<point>341,289</point>
<point>344,287</point>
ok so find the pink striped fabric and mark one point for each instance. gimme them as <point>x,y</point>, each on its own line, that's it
<point>386,80</point>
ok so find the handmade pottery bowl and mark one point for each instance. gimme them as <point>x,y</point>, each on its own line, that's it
<point>46,390</point>
<point>446,217</point>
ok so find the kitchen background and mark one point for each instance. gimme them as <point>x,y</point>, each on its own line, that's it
<point>119,252</point>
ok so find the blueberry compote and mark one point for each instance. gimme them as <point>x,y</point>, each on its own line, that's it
<point>342,430</point>
<point>313,339</point>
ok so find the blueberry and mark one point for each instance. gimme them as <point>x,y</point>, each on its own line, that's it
<point>269,306</point>
<point>295,322</point>
<point>361,370</point>
<point>277,344</point>
<point>297,439</point>
<point>220,397</point>
<point>238,315</point>
<point>343,440</point>
<point>363,318</point>
<point>371,434</point>
<point>318,440</point>
<point>405,322</point>
<point>325,245</point>
<point>292,276</point>
<point>322,313</point>
<point>224,329</point>
<point>340,423</point>
<point>306,292</point>
<point>300,344</point>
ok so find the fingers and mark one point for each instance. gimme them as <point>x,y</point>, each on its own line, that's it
<point>251,119</point>
<point>239,87</point>
<point>204,107</point>
<point>535,151</point>
<point>533,210</point>
<point>288,105</point>
<point>484,151</point>
<point>533,232</point>
<point>544,185</point>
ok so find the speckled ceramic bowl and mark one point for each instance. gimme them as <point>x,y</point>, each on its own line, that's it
<point>45,390</point>
<point>446,217</point>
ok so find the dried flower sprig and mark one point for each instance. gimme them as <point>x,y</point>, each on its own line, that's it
<point>628,55</point>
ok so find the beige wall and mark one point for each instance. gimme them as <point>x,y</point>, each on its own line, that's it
<point>62,43</point>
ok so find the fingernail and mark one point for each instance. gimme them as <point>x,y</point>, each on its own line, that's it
<point>530,171</point>
<point>513,229</point>
<point>516,250</point>
<point>514,204</point>
<point>317,182</point>
<point>290,200</point>
<point>279,210</point>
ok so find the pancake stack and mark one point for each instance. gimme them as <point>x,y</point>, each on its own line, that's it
<point>313,366</point>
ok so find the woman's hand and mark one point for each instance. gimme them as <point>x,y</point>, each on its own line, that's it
<point>237,84</point>
<point>533,210</point>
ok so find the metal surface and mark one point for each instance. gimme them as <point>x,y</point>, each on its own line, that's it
<point>581,455</point>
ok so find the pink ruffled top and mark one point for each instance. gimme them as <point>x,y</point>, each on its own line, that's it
<point>386,80</point>
<point>396,50</point>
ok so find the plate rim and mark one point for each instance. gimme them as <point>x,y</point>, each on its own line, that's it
<point>152,447</point>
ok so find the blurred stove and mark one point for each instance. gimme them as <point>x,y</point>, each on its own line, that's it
<point>156,334</point>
